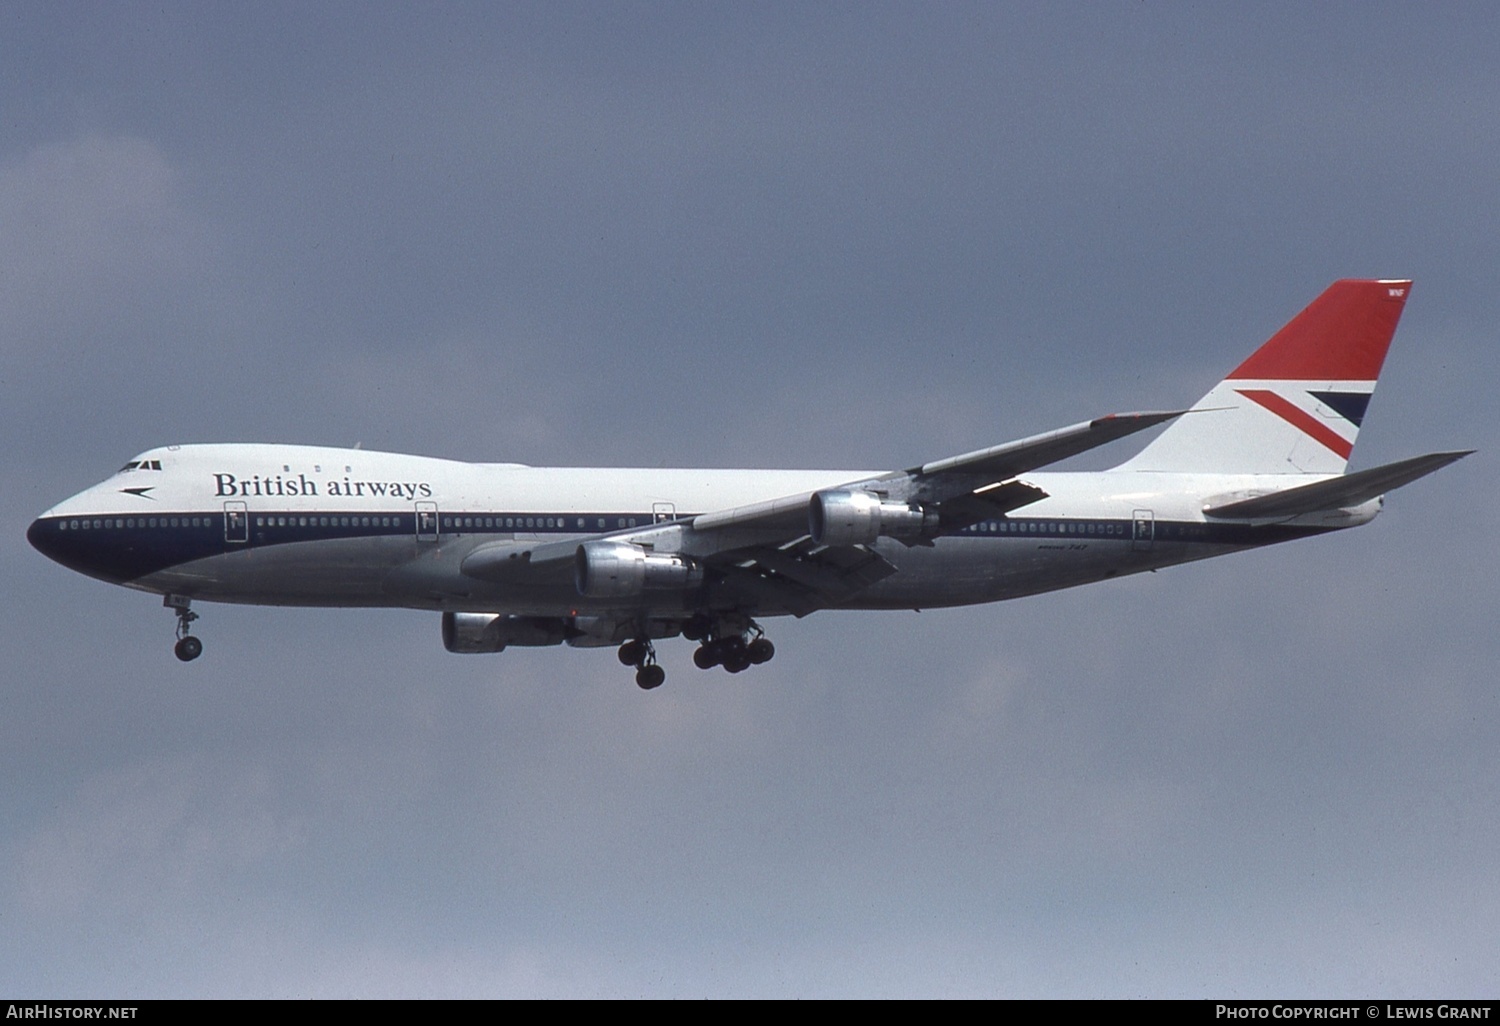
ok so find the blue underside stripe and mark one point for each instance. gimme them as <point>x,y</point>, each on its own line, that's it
<point>126,548</point>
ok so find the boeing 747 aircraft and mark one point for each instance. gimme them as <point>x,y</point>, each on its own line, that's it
<point>517,555</point>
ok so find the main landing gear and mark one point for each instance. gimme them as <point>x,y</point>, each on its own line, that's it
<point>188,647</point>
<point>736,647</point>
<point>641,654</point>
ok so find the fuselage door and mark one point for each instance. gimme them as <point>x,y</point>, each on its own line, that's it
<point>1142,530</point>
<point>427,522</point>
<point>661,511</point>
<point>236,523</point>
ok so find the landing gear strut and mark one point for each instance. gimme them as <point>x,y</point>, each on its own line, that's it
<point>641,654</point>
<point>188,647</point>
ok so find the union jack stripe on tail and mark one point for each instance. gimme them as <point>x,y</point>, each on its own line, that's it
<point>1296,405</point>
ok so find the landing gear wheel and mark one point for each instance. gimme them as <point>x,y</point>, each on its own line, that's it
<point>188,647</point>
<point>760,651</point>
<point>640,653</point>
<point>734,643</point>
<point>633,653</point>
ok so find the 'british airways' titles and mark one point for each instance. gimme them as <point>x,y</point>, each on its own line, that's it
<point>228,486</point>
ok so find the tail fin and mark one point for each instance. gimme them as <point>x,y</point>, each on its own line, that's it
<point>1295,406</point>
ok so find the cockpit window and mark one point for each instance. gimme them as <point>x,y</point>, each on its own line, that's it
<point>129,466</point>
<point>140,465</point>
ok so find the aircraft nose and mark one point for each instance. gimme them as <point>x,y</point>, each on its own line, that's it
<point>43,540</point>
<point>48,536</point>
<point>60,541</point>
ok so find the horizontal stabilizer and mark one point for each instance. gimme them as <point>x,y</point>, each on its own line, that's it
<point>1343,492</point>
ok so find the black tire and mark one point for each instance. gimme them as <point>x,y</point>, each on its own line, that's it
<point>705,657</point>
<point>738,664</point>
<point>760,651</point>
<point>648,677</point>
<point>187,649</point>
<point>632,653</point>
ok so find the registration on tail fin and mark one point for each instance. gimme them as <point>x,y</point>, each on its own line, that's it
<point>1295,406</point>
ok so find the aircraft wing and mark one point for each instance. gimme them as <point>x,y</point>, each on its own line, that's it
<point>766,553</point>
<point>970,476</point>
<point>1000,462</point>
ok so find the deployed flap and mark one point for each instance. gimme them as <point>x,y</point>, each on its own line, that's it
<point>803,577</point>
<point>1336,492</point>
<point>986,504</point>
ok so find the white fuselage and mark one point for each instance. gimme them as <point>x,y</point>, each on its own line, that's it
<point>300,525</point>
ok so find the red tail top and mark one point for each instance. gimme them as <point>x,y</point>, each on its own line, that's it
<point>1341,336</point>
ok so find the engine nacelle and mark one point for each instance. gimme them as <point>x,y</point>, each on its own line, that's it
<point>857,518</point>
<point>468,633</point>
<point>611,569</point>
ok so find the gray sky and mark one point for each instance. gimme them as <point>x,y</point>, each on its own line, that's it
<point>764,235</point>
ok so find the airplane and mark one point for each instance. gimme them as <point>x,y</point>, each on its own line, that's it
<point>514,555</point>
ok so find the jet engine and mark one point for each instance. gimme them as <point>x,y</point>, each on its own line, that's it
<point>611,569</point>
<point>467,633</point>
<point>856,518</point>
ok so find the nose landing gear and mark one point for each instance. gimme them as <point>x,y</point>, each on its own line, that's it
<point>188,647</point>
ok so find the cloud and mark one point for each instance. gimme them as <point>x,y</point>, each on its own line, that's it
<point>92,226</point>
<point>130,839</point>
